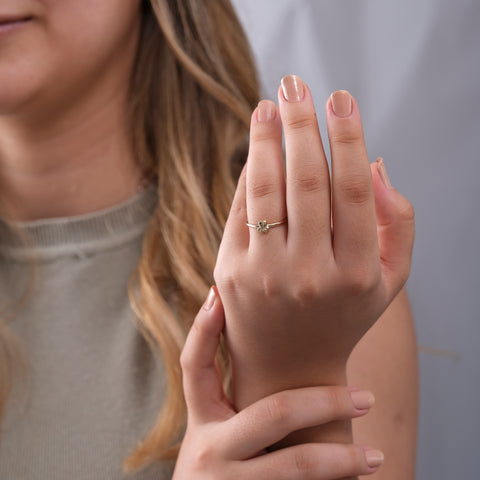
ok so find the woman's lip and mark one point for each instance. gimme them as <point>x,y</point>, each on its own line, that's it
<point>12,25</point>
<point>6,20</point>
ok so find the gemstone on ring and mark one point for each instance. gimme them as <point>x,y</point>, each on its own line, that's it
<point>262,226</point>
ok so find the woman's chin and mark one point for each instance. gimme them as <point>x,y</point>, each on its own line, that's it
<point>20,89</point>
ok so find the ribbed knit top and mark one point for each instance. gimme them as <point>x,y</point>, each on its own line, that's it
<point>94,388</point>
<point>84,234</point>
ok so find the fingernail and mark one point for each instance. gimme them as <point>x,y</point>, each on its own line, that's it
<point>292,87</point>
<point>374,458</point>
<point>341,103</point>
<point>210,301</point>
<point>382,171</point>
<point>265,111</point>
<point>362,399</point>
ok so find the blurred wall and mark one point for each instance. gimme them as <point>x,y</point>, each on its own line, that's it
<point>414,68</point>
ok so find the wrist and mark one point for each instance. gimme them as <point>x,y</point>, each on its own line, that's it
<point>251,383</point>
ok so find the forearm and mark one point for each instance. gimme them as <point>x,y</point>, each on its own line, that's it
<point>385,362</point>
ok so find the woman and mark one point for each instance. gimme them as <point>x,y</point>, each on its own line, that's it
<point>121,124</point>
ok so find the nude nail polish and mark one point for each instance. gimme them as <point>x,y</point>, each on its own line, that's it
<point>341,103</point>
<point>265,111</point>
<point>210,301</point>
<point>362,399</point>
<point>382,171</point>
<point>374,458</point>
<point>293,89</point>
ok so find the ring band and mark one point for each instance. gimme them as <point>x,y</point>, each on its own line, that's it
<point>263,227</point>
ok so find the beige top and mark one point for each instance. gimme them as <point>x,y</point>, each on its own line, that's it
<point>95,388</point>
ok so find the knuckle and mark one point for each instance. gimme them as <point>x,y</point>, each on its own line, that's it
<point>308,181</point>
<point>272,287</point>
<point>227,284</point>
<point>262,134</point>
<point>355,458</point>
<point>305,461</point>
<point>228,276</point>
<point>306,289</point>
<point>355,190</point>
<point>362,279</point>
<point>347,137</point>
<point>301,122</point>
<point>305,294</point>
<point>262,188</point>
<point>335,402</point>
<point>406,212</point>
<point>203,456</point>
<point>278,409</point>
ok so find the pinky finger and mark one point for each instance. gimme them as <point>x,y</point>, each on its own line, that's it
<point>314,462</point>
<point>395,229</point>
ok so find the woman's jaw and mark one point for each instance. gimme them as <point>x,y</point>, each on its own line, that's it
<point>64,80</point>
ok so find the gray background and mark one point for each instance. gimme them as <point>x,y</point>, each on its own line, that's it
<point>414,68</point>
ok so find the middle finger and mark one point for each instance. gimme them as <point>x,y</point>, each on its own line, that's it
<point>308,178</point>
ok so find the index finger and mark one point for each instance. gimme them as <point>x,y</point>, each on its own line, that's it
<point>271,419</point>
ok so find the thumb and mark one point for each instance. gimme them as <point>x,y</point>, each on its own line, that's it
<point>201,380</point>
<point>395,229</point>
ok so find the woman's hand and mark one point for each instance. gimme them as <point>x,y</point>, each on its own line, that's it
<point>222,444</point>
<point>300,296</point>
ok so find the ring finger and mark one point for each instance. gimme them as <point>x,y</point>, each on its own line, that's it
<point>266,177</point>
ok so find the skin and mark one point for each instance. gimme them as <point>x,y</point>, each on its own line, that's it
<point>346,252</point>
<point>64,151</point>
<point>339,281</point>
<point>63,88</point>
<point>391,344</point>
<point>221,443</point>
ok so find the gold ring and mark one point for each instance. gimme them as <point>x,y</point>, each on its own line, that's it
<point>263,227</point>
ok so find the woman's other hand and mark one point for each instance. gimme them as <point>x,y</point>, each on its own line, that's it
<point>222,444</point>
<point>299,297</point>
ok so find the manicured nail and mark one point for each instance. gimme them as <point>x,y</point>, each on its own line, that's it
<point>341,103</point>
<point>362,399</point>
<point>266,110</point>
<point>374,458</point>
<point>292,87</point>
<point>382,171</point>
<point>210,301</point>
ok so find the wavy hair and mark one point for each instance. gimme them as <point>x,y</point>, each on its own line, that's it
<point>194,87</point>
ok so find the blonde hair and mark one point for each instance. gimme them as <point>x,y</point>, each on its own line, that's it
<point>193,91</point>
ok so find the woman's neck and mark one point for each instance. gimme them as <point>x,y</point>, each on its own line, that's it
<point>78,163</point>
